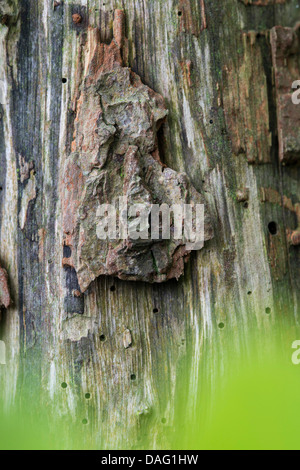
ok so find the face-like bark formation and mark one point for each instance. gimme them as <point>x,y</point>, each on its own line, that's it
<point>115,154</point>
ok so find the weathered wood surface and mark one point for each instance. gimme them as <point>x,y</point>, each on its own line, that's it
<point>211,61</point>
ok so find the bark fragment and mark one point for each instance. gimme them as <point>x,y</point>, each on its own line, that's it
<point>272,196</point>
<point>294,235</point>
<point>285,44</point>
<point>245,99</point>
<point>4,289</point>
<point>77,19</point>
<point>115,154</point>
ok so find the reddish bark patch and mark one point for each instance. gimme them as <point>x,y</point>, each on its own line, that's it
<point>285,44</point>
<point>295,238</point>
<point>245,100</point>
<point>68,262</point>
<point>119,27</point>
<point>77,19</point>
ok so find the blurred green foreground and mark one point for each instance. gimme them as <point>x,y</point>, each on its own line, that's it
<point>255,405</point>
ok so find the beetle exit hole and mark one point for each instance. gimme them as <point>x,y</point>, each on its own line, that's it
<point>84,421</point>
<point>113,289</point>
<point>133,377</point>
<point>87,396</point>
<point>155,310</point>
<point>64,80</point>
<point>64,385</point>
<point>268,310</point>
<point>272,228</point>
<point>221,326</point>
<point>102,338</point>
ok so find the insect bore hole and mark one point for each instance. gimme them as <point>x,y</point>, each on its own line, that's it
<point>272,228</point>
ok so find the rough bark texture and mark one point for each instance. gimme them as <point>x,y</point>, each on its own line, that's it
<point>115,158</point>
<point>128,344</point>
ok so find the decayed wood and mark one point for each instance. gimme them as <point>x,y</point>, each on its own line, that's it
<point>186,52</point>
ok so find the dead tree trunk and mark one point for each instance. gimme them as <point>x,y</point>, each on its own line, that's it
<point>122,349</point>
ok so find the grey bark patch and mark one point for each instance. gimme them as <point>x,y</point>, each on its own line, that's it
<point>73,304</point>
<point>285,55</point>
<point>78,327</point>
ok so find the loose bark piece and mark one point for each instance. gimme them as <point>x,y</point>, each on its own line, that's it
<point>115,154</point>
<point>285,53</point>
